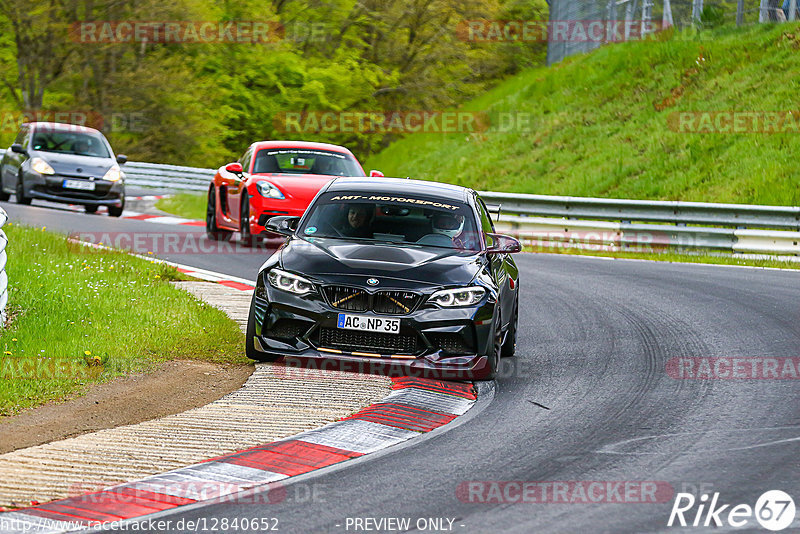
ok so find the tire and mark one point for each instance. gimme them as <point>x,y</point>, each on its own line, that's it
<point>90,209</point>
<point>3,195</point>
<point>116,211</point>
<point>249,345</point>
<point>510,343</point>
<point>212,231</point>
<point>246,236</point>
<point>20,193</point>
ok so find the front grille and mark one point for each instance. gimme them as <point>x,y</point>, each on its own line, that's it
<point>450,342</point>
<point>368,341</point>
<point>288,329</point>
<point>387,302</point>
<point>347,298</point>
<point>394,302</point>
<point>100,193</point>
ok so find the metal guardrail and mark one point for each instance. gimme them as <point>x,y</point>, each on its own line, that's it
<point>564,224</point>
<point>671,212</point>
<point>3,275</point>
<point>171,176</point>
<point>612,224</point>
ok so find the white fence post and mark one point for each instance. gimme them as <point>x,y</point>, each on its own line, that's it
<point>666,18</point>
<point>3,275</point>
<point>763,12</point>
<point>697,11</point>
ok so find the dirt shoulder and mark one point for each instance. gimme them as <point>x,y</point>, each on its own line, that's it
<point>170,388</point>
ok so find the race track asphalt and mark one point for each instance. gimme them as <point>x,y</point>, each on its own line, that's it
<point>588,398</point>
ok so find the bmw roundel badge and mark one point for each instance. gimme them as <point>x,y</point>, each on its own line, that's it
<point>373,281</point>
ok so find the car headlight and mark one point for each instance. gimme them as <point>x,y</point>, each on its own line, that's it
<point>461,296</point>
<point>41,166</point>
<point>268,190</point>
<point>113,174</point>
<point>289,282</point>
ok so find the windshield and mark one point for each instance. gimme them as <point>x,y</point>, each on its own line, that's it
<point>395,219</point>
<point>301,161</point>
<point>66,142</point>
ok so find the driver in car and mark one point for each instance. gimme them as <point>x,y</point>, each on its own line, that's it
<point>81,147</point>
<point>451,225</point>
<point>359,219</point>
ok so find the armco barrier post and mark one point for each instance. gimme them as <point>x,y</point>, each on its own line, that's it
<point>3,275</point>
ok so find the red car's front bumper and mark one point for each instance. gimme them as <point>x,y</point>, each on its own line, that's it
<point>270,207</point>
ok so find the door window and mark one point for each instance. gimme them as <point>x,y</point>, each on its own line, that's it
<point>486,223</point>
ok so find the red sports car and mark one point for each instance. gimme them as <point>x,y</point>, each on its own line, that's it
<point>272,178</point>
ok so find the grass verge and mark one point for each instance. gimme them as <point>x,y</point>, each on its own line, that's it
<point>188,205</point>
<point>79,315</point>
<point>607,124</point>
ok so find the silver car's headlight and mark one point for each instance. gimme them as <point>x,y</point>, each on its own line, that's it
<point>113,174</point>
<point>268,190</point>
<point>41,166</point>
<point>289,282</point>
<point>461,296</point>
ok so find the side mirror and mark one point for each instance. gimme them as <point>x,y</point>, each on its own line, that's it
<point>282,225</point>
<point>16,147</point>
<point>235,168</point>
<point>122,159</point>
<point>376,174</point>
<point>503,244</point>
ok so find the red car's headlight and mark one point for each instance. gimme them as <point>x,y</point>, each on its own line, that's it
<point>268,190</point>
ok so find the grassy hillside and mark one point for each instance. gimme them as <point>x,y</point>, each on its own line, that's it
<point>599,124</point>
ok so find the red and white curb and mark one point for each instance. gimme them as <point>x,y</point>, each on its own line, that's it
<point>233,282</point>
<point>149,197</point>
<point>160,219</point>
<point>148,217</point>
<point>416,406</point>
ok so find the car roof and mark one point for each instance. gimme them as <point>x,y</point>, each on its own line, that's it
<point>301,144</point>
<point>396,186</point>
<point>62,126</point>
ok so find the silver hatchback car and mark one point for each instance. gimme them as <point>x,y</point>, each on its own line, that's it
<point>63,163</point>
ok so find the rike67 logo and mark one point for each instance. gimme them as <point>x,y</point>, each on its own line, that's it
<point>774,510</point>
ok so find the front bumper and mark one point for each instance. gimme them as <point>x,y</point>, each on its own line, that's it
<point>50,187</point>
<point>433,342</point>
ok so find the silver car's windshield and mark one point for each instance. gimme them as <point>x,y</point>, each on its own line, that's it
<point>67,142</point>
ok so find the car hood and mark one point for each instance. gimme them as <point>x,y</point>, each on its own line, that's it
<point>75,165</point>
<point>327,259</point>
<point>303,187</point>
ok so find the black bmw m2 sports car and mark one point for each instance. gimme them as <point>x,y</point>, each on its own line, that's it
<point>389,276</point>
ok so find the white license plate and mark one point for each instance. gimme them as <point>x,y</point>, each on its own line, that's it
<point>368,324</point>
<point>78,184</point>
